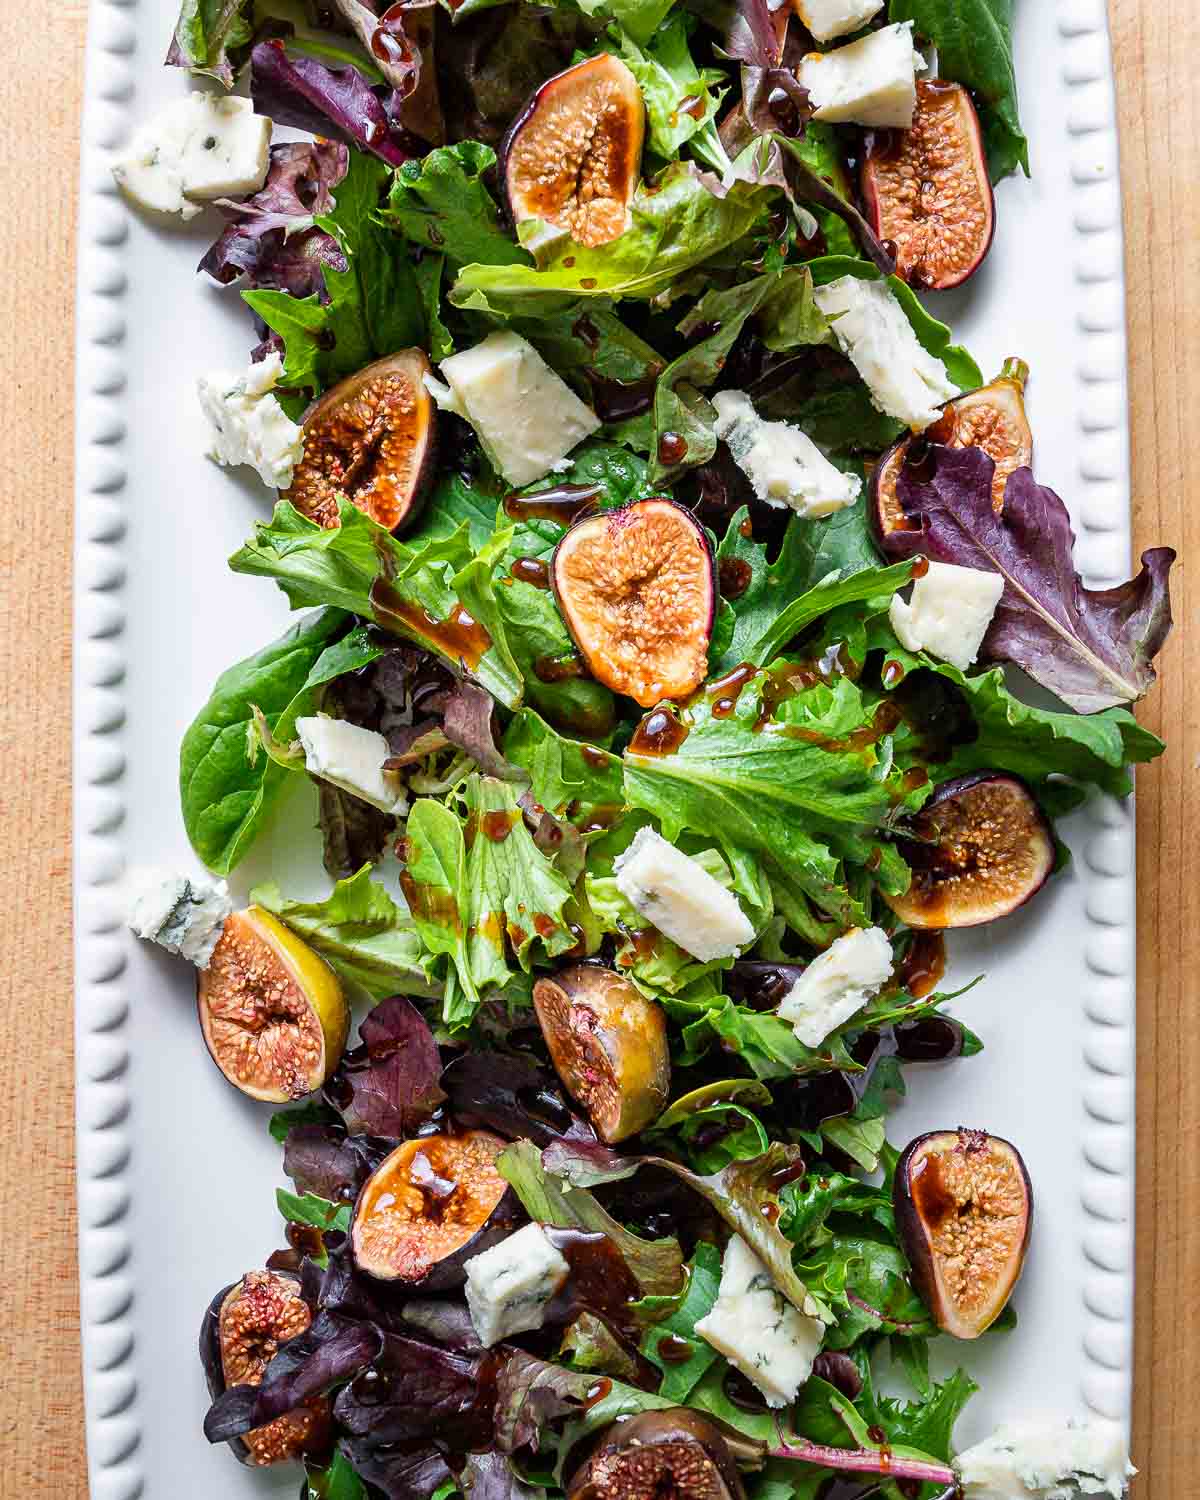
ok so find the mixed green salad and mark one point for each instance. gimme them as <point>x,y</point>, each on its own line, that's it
<point>686,646</point>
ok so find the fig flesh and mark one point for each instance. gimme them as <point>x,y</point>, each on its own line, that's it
<point>978,849</point>
<point>637,589</point>
<point>608,1044</point>
<point>992,418</point>
<point>964,1209</point>
<point>927,189</point>
<point>244,1327</point>
<point>372,438</point>
<point>674,1454</point>
<point>428,1207</point>
<point>273,1014</point>
<point>573,157</point>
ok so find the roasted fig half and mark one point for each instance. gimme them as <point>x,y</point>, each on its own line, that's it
<point>675,1454</point>
<point>992,418</point>
<point>637,589</point>
<point>573,156</point>
<point>244,1327</point>
<point>927,189</point>
<point>608,1044</point>
<point>428,1207</point>
<point>273,1013</point>
<point>978,849</point>
<point>964,1207</point>
<point>372,438</point>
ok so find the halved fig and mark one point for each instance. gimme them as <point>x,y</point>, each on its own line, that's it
<point>573,156</point>
<point>964,1208</point>
<point>637,589</point>
<point>244,1327</point>
<point>992,418</point>
<point>978,849</point>
<point>273,1013</point>
<point>372,438</point>
<point>429,1206</point>
<point>675,1454</point>
<point>608,1044</point>
<point>927,189</point>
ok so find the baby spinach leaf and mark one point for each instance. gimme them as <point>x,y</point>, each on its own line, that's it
<point>669,1334</point>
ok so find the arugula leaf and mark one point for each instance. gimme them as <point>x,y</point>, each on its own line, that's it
<point>680,1375</point>
<point>441,203</point>
<point>667,75</point>
<point>209,36</point>
<point>307,1208</point>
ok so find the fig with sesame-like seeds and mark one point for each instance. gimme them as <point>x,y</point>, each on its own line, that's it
<point>673,1454</point>
<point>273,1014</point>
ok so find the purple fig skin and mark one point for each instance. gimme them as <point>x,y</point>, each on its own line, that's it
<point>916,906</point>
<point>922,1202</point>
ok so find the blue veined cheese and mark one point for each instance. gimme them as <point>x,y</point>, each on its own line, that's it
<point>526,418</point>
<point>784,466</point>
<point>184,914</point>
<point>1049,1460</point>
<point>869,82</point>
<point>248,426</point>
<point>758,1330</point>
<point>904,379</point>
<point>676,894</point>
<point>510,1285</point>
<point>827,19</point>
<point>351,757</point>
<point>837,984</point>
<point>200,148</point>
<point>949,612</point>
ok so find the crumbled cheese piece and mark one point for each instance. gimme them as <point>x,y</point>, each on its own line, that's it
<point>184,914</point>
<point>837,983</point>
<point>1048,1459</point>
<point>198,149</point>
<point>783,464</point>
<point>676,894</point>
<point>248,425</point>
<point>827,19</point>
<point>510,1285</point>
<point>869,82</point>
<point>351,757</point>
<point>949,613</point>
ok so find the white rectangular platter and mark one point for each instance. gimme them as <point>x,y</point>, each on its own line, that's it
<point>176,1170</point>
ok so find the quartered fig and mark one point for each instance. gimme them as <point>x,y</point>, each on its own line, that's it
<point>675,1454</point>
<point>964,1207</point>
<point>573,157</point>
<point>978,849</point>
<point>429,1206</point>
<point>273,1013</point>
<point>637,589</point>
<point>608,1044</point>
<point>244,1327</point>
<point>927,189</point>
<point>372,438</point>
<point>992,418</point>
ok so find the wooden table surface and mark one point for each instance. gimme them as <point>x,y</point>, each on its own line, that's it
<point>41,1426</point>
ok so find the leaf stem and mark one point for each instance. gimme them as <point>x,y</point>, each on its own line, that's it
<point>865,1461</point>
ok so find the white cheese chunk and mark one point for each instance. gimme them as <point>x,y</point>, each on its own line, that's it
<point>837,983</point>
<point>184,914</point>
<point>510,1285</point>
<point>758,1330</point>
<point>527,419</point>
<point>783,464</point>
<point>904,379</point>
<point>827,19</point>
<point>1052,1460</point>
<point>949,613</point>
<point>676,894</point>
<point>869,82</point>
<point>248,426</point>
<point>200,148</point>
<point>350,757</point>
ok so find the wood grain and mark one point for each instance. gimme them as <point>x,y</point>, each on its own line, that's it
<point>41,1429</point>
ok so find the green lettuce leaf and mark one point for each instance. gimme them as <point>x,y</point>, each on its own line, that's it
<point>667,75</point>
<point>569,778</point>
<point>678,1326</point>
<point>640,18</point>
<point>442,203</point>
<point>211,38</point>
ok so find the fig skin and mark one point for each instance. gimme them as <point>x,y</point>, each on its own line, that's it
<point>631,1460</point>
<point>422,1237</point>
<point>948,1185</point>
<point>981,848</point>
<point>927,189</point>
<point>272,1012</point>
<point>592,115</point>
<point>637,588</point>
<point>608,1044</point>
<point>992,418</point>
<point>372,438</point>
<point>271,1312</point>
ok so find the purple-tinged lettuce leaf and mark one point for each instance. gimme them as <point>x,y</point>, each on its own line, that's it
<point>531,1394</point>
<point>421,1390</point>
<point>399,1474</point>
<point>354,833</point>
<point>1093,647</point>
<point>326,99</point>
<point>511,1095</point>
<point>400,41</point>
<point>211,38</point>
<point>324,1160</point>
<point>773,98</point>
<point>490,1476</point>
<point>388,1086</point>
